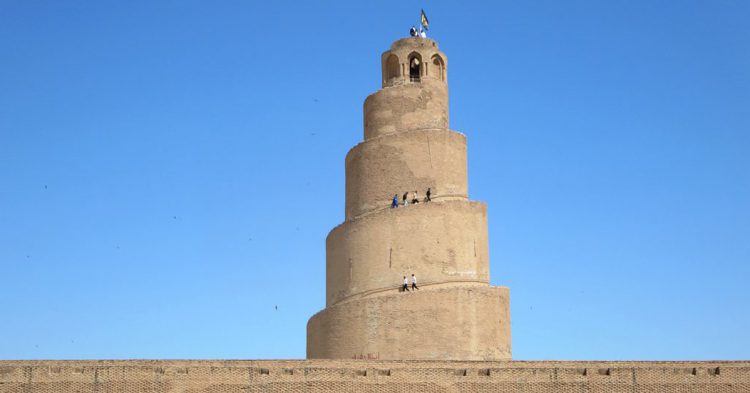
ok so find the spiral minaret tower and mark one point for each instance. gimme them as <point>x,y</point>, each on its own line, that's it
<point>408,146</point>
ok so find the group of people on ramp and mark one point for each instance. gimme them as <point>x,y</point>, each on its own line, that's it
<point>405,287</point>
<point>414,198</point>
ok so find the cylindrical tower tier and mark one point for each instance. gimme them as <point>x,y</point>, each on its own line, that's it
<point>415,90</point>
<point>406,107</point>
<point>439,242</point>
<point>461,323</point>
<point>380,168</point>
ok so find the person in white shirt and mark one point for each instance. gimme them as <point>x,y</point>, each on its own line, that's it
<point>405,288</point>
<point>414,282</point>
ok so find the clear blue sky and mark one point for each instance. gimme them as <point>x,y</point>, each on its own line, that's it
<point>170,170</point>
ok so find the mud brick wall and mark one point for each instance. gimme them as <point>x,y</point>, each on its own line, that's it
<point>193,376</point>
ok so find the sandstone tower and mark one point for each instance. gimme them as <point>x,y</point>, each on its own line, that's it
<point>408,146</point>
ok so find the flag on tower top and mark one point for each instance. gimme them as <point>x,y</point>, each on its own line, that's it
<point>424,20</point>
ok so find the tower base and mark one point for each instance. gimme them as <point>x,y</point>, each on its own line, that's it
<point>449,323</point>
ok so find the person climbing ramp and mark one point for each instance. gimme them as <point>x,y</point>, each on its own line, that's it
<point>414,199</point>
<point>414,282</point>
<point>394,203</point>
<point>406,198</point>
<point>427,198</point>
<point>405,288</point>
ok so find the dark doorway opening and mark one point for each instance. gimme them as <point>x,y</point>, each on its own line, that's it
<point>414,70</point>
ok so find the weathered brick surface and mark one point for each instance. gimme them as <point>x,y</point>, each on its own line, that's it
<point>458,322</point>
<point>194,376</point>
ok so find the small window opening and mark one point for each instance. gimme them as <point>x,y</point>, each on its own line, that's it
<point>439,66</point>
<point>415,67</point>
<point>392,68</point>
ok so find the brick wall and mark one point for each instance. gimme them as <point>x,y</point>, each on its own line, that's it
<point>193,376</point>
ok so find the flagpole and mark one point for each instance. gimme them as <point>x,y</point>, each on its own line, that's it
<point>420,25</point>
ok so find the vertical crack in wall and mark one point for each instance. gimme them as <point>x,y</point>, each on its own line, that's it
<point>429,149</point>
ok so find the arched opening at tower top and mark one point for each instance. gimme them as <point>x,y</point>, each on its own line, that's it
<point>392,67</point>
<point>415,67</point>
<point>439,67</point>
